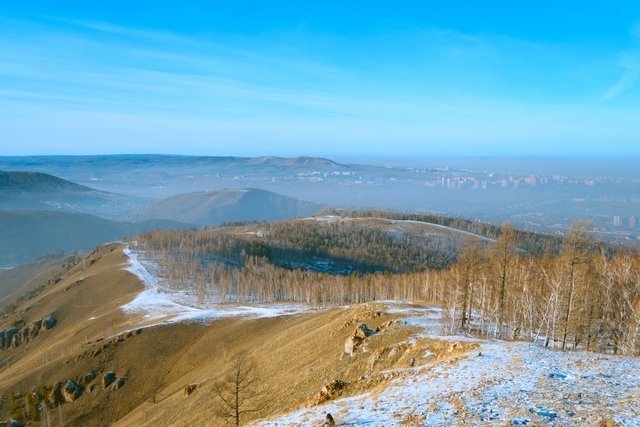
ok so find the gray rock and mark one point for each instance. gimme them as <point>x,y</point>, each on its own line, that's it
<point>49,322</point>
<point>108,378</point>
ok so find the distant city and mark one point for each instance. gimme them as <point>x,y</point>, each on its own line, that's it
<point>545,195</point>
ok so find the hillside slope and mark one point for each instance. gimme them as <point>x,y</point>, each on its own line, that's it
<point>216,207</point>
<point>19,280</point>
<point>402,369</point>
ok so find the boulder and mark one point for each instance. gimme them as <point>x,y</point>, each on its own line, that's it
<point>15,341</point>
<point>329,421</point>
<point>359,334</point>
<point>89,377</point>
<point>330,391</point>
<point>118,383</point>
<point>49,322</point>
<point>334,388</point>
<point>108,378</point>
<point>71,391</point>
<point>37,326</point>
<point>350,345</point>
<point>188,389</point>
<point>362,331</point>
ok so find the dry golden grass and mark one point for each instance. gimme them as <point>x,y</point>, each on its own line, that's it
<point>294,356</point>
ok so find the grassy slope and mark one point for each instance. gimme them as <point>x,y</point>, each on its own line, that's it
<point>19,280</point>
<point>295,356</point>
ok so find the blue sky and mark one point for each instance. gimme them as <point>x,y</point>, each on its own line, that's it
<point>359,78</point>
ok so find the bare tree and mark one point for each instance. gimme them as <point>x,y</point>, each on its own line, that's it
<point>470,260</point>
<point>503,254</point>
<point>238,390</point>
<point>576,251</point>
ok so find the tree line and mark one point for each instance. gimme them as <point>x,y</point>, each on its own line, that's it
<point>532,242</point>
<point>580,295</point>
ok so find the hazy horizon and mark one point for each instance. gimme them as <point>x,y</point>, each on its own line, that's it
<point>290,79</point>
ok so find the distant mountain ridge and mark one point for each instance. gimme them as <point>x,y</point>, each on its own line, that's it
<point>54,163</point>
<point>216,207</point>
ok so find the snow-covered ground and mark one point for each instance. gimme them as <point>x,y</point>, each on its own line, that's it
<point>159,303</point>
<point>398,222</point>
<point>500,383</point>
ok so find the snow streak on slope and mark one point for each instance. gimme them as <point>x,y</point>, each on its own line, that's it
<point>160,303</point>
<point>504,383</point>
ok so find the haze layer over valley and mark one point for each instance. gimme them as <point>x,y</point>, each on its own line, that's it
<point>539,194</point>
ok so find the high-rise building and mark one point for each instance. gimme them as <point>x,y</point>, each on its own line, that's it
<point>616,221</point>
<point>632,221</point>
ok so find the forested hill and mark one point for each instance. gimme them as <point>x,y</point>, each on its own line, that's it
<point>532,242</point>
<point>580,297</point>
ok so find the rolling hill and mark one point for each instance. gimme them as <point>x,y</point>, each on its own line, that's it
<point>27,235</point>
<point>40,191</point>
<point>36,182</point>
<point>216,207</point>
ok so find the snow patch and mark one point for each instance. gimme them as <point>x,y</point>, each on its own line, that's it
<point>500,383</point>
<point>157,302</point>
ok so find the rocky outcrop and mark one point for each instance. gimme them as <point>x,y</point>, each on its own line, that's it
<point>356,338</point>
<point>362,331</point>
<point>330,391</point>
<point>14,337</point>
<point>66,392</point>
<point>99,346</point>
<point>55,396</point>
<point>71,391</point>
<point>118,383</point>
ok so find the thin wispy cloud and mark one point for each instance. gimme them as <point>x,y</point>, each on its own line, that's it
<point>629,61</point>
<point>83,79</point>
